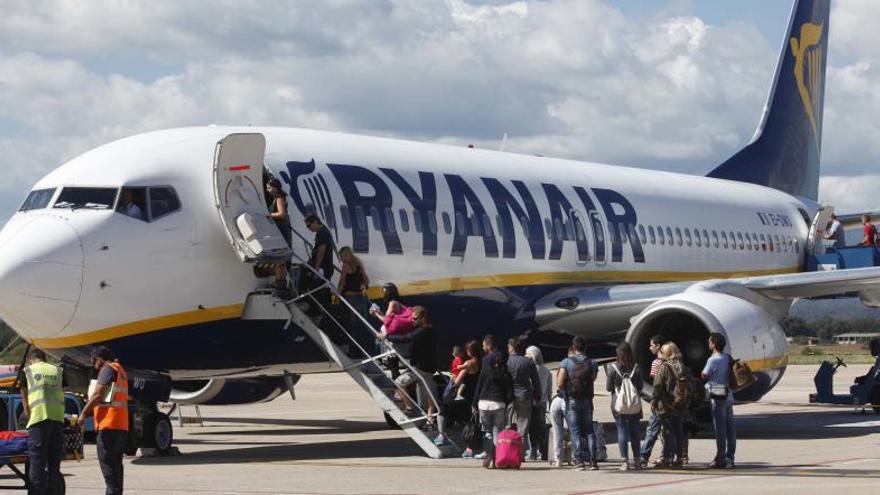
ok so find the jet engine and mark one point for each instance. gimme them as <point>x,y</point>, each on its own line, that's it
<point>688,318</point>
<point>227,391</point>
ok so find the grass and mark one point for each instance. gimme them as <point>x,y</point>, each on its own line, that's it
<point>851,354</point>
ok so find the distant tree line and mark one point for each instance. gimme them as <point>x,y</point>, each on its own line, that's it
<point>827,327</point>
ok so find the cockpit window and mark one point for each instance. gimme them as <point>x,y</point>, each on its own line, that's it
<point>37,199</point>
<point>163,200</point>
<point>97,198</point>
<point>147,203</point>
<point>133,203</point>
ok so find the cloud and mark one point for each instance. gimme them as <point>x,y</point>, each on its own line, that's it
<point>570,78</point>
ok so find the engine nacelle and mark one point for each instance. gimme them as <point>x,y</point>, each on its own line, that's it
<point>687,319</point>
<point>227,391</point>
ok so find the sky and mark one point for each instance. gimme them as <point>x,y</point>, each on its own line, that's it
<point>673,85</point>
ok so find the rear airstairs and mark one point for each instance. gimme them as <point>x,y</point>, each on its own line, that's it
<point>352,355</point>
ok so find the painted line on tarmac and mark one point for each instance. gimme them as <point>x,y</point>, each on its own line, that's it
<point>644,486</point>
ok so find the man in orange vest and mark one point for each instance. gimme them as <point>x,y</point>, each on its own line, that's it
<point>110,404</point>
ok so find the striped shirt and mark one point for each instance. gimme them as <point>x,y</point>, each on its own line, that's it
<point>655,365</point>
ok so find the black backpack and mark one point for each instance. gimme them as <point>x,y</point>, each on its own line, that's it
<point>582,380</point>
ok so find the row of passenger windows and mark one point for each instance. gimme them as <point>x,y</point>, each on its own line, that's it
<point>570,230</point>
<point>142,203</point>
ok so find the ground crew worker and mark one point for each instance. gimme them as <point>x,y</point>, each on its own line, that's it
<point>43,400</point>
<point>111,416</point>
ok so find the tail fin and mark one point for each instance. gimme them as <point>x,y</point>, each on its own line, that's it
<point>784,152</point>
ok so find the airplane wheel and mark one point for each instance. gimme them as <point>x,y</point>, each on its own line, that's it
<point>159,433</point>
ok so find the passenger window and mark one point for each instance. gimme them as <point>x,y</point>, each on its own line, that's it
<point>329,216</point>
<point>776,241</point>
<point>651,234</point>
<point>706,238</point>
<point>660,236</point>
<point>569,230</point>
<point>739,237</point>
<point>579,228</point>
<point>432,222</point>
<point>487,225</point>
<point>687,236</point>
<point>724,239</point>
<point>376,219</point>
<point>404,220</point>
<point>697,240</point>
<point>524,223</point>
<point>460,227</point>
<point>755,242</point>
<point>132,202</point>
<point>612,231</point>
<point>669,240</point>
<point>625,232</point>
<point>678,239</point>
<point>642,235</point>
<point>344,215</point>
<point>748,242</point>
<point>476,228</point>
<point>417,221</point>
<point>360,218</point>
<point>501,228</point>
<point>548,227</point>
<point>557,229</point>
<point>389,220</point>
<point>715,242</point>
<point>37,199</point>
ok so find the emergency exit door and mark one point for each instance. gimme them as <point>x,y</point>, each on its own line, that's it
<point>241,202</point>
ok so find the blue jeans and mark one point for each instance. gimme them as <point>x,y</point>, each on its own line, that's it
<point>628,432</point>
<point>492,422</point>
<point>557,420</point>
<point>725,432</point>
<point>651,434</point>
<point>579,415</point>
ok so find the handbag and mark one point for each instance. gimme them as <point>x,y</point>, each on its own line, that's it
<point>472,433</point>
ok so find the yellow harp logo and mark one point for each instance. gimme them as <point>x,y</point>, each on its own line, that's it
<point>808,71</point>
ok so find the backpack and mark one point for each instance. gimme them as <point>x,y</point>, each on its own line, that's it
<point>682,390</point>
<point>626,400</point>
<point>582,380</point>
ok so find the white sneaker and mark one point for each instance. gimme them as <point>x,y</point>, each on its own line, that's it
<point>556,464</point>
<point>481,455</point>
<point>624,466</point>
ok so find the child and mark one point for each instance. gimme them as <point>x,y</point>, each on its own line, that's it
<point>454,368</point>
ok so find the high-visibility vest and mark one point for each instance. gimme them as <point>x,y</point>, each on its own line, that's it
<point>114,415</point>
<point>45,396</point>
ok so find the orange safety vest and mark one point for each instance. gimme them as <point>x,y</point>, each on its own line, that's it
<point>114,416</point>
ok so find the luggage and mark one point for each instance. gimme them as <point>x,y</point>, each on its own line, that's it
<point>626,398</point>
<point>472,433</point>
<point>582,380</point>
<point>741,375</point>
<point>682,390</point>
<point>509,450</point>
<point>13,443</point>
<point>601,446</point>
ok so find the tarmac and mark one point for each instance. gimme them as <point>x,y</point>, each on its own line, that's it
<point>333,440</point>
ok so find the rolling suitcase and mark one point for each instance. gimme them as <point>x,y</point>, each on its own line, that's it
<point>509,450</point>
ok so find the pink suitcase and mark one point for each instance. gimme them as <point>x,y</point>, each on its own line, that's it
<point>509,450</point>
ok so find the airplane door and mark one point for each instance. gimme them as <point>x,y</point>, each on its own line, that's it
<point>241,203</point>
<point>817,230</point>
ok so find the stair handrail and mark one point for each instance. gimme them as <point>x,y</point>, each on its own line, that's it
<point>389,346</point>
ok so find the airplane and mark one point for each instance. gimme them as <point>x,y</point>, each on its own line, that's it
<point>488,241</point>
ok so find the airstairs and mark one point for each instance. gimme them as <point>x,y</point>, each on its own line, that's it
<point>338,339</point>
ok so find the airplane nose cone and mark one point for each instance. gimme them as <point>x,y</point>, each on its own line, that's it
<point>41,275</point>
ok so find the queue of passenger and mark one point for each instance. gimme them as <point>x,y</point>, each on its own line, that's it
<point>515,392</point>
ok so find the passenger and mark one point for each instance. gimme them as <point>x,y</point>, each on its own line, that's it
<point>653,430</point>
<point>526,385</point>
<point>390,299</point>
<point>537,438</point>
<point>493,394</point>
<point>557,421</point>
<point>456,406</point>
<point>457,362</point>
<point>575,378</point>
<point>278,214</point>
<point>627,424</point>
<point>835,232</point>
<point>128,207</point>
<point>353,284</point>
<point>664,404</point>
<point>423,357</point>
<point>111,419</point>
<point>322,252</point>
<point>870,232</point>
<point>717,374</point>
<point>43,403</point>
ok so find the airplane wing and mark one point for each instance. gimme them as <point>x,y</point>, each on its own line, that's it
<point>573,309</point>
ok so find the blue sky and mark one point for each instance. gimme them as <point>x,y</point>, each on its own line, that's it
<point>643,83</point>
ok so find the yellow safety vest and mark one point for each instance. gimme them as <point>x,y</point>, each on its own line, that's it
<point>45,395</point>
